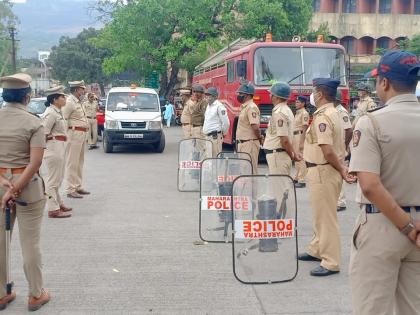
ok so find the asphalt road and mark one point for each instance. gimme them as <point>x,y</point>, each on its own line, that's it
<point>128,249</point>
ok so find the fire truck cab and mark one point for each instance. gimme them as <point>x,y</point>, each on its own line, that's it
<point>265,63</point>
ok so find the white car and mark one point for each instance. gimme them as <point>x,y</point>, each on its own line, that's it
<point>37,106</point>
<point>133,117</point>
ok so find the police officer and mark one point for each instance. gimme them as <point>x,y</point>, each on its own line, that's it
<point>248,135</point>
<point>323,153</point>
<point>187,102</point>
<point>347,135</point>
<point>78,125</point>
<point>91,107</point>
<point>366,103</point>
<point>55,128</point>
<point>197,111</point>
<point>22,143</point>
<point>301,124</point>
<point>278,143</point>
<point>385,261</point>
<point>216,121</point>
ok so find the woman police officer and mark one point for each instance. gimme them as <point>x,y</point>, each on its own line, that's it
<point>55,128</point>
<point>22,143</point>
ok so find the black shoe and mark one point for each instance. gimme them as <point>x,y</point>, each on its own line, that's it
<point>341,209</point>
<point>322,272</point>
<point>300,185</point>
<point>307,257</point>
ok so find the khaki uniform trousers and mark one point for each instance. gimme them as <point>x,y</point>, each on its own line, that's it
<point>342,198</point>
<point>93,131</point>
<point>29,219</point>
<point>54,158</point>
<point>217,144</point>
<point>75,156</point>
<point>251,147</point>
<point>186,128</point>
<point>324,187</point>
<point>279,163</point>
<point>384,268</point>
<point>300,166</point>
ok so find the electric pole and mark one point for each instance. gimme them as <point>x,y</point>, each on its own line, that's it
<point>12,32</point>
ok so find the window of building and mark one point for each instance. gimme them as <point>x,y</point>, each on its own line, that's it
<point>367,6</point>
<point>365,46</point>
<point>385,6</point>
<point>349,6</point>
<point>230,71</point>
<point>349,44</point>
<point>316,5</point>
<point>417,7</point>
<point>383,43</point>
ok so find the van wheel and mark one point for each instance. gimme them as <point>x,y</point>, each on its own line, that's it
<point>107,145</point>
<point>160,146</point>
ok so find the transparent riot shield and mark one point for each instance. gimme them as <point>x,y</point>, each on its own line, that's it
<point>190,155</point>
<point>264,240</point>
<point>217,175</point>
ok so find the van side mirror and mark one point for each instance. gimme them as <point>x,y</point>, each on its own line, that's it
<point>241,68</point>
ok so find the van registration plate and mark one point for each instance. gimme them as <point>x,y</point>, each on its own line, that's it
<point>133,136</point>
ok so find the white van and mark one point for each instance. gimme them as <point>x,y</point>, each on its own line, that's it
<point>133,117</point>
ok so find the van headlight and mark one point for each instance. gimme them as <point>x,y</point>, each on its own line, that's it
<point>155,125</point>
<point>111,124</point>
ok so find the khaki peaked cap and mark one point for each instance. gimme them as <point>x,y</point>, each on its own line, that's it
<point>16,81</point>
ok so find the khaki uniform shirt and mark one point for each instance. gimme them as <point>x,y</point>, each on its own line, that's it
<point>74,113</point>
<point>186,112</point>
<point>250,115</point>
<point>281,124</point>
<point>54,122</point>
<point>364,106</point>
<point>301,119</point>
<point>326,128</point>
<point>91,109</point>
<point>345,119</point>
<point>19,132</point>
<point>393,152</point>
<point>198,110</point>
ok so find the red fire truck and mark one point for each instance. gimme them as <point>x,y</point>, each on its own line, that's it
<point>264,63</point>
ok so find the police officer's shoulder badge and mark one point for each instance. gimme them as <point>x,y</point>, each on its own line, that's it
<point>254,114</point>
<point>305,118</point>
<point>223,112</point>
<point>280,122</point>
<point>357,134</point>
<point>322,127</point>
<point>346,119</point>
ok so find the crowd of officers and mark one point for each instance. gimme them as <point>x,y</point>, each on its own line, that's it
<point>385,257</point>
<point>58,141</point>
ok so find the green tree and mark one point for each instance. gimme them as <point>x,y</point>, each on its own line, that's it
<point>78,59</point>
<point>163,36</point>
<point>413,45</point>
<point>7,18</point>
<point>283,18</point>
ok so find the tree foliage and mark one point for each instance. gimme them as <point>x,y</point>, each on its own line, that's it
<point>413,45</point>
<point>7,18</point>
<point>77,58</point>
<point>150,35</point>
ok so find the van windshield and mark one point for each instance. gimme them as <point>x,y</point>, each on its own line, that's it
<point>132,101</point>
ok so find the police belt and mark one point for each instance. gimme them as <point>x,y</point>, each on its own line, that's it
<point>18,170</point>
<point>213,133</point>
<point>243,141</point>
<point>91,117</point>
<point>197,125</point>
<point>369,208</point>
<point>309,164</point>
<point>59,138</point>
<point>297,132</point>
<point>78,128</point>
<point>268,151</point>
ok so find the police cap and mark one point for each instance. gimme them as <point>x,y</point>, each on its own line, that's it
<point>331,83</point>
<point>246,88</point>
<point>302,98</point>
<point>212,91</point>
<point>280,89</point>
<point>398,65</point>
<point>76,84</point>
<point>198,88</point>
<point>363,87</point>
<point>55,90</point>
<point>16,81</point>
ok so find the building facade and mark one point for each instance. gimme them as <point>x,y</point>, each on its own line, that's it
<point>363,26</point>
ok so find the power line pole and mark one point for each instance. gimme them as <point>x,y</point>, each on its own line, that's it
<point>12,32</point>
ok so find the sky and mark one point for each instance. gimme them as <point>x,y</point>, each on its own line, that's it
<point>43,22</point>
